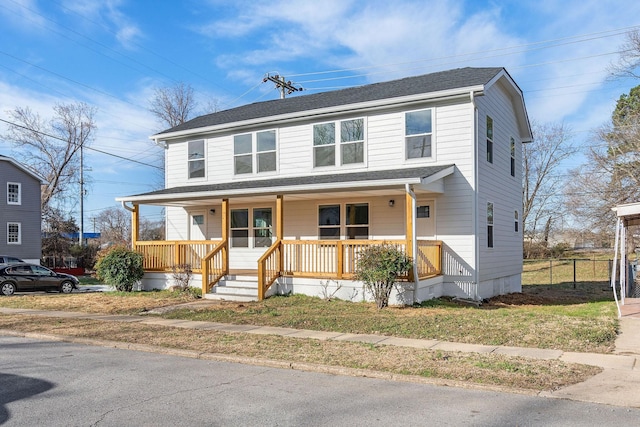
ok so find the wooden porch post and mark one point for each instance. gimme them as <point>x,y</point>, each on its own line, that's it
<point>280,227</point>
<point>135,225</point>
<point>225,233</point>
<point>409,231</point>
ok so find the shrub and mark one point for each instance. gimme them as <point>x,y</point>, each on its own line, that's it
<point>120,267</point>
<point>378,267</point>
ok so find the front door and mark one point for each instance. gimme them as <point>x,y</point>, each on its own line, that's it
<point>197,226</point>
<point>425,219</point>
<point>251,234</point>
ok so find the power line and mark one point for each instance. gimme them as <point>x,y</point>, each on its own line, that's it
<point>88,148</point>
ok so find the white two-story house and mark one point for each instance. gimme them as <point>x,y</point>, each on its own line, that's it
<point>280,196</point>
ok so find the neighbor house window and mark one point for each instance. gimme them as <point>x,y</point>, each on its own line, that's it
<point>357,221</point>
<point>239,228</point>
<point>196,159</point>
<point>329,222</point>
<point>352,141</point>
<point>489,139</point>
<point>517,222</point>
<point>13,193</point>
<point>242,154</point>
<point>418,132</point>
<point>490,225</point>
<point>262,227</point>
<point>513,156</point>
<point>14,233</point>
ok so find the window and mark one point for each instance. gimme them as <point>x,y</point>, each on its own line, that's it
<point>196,159</point>
<point>490,225</point>
<point>329,222</point>
<point>324,144</point>
<point>242,154</point>
<point>423,211</point>
<point>239,228</point>
<point>489,139</point>
<point>13,193</point>
<point>14,235</point>
<point>513,157</point>
<point>262,227</point>
<point>357,221</point>
<point>350,133</point>
<point>352,141</point>
<point>516,221</point>
<point>418,134</point>
<point>265,152</point>
<point>198,219</point>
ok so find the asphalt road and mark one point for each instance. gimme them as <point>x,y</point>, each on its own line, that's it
<point>61,384</point>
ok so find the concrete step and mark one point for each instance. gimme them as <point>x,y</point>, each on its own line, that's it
<point>235,288</point>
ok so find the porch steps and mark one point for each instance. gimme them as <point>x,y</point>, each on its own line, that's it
<point>241,288</point>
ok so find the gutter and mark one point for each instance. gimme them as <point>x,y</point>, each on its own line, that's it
<point>414,241</point>
<point>474,209</point>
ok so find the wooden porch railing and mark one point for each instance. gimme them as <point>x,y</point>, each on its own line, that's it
<point>164,255</point>
<point>269,268</point>
<point>215,265</point>
<point>332,259</point>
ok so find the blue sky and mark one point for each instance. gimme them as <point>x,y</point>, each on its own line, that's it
<point>111,54</point>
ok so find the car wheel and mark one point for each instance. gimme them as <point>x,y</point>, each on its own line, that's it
<point>66,287</point>
<point>7,288</point>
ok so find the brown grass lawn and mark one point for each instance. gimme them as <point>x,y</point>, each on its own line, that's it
<point>543,316</point>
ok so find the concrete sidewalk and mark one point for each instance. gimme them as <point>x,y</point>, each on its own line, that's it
<point>618,384</point>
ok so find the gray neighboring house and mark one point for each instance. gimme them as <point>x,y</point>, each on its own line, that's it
<point>20,216</point>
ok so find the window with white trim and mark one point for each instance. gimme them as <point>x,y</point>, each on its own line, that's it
<point>418,133</point>
<point>14,193</point>
<point>239,228</point>
<point>350,133</point>
<point>489,139</point>
<point>260,157</point>
<point>517,221</point>
<point>329,222</point>
<point>196,159</point>
<point>14,233</point>
<point>513,156</point>
<point>490,225</point>
<point>262,227</point>
<point>357,221</point>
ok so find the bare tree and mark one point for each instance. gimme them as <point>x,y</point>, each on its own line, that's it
<point>151,230</point>
<point>114,225</point>
<point>629,59</point>
<point>173,105</point>
<point>50,147</point>
<point>542,183</point>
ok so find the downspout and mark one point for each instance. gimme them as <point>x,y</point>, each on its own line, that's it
<point>474,208</point>
<point>414,242</point>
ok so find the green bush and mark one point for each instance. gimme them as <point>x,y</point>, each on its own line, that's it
<point>120,267</point>
<point>378,267</point>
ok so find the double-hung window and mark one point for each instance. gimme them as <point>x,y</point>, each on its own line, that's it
<point>14,233</point>
<point>14,193</point>
<point>260,226</point>
<point>329,222</point>
<point>490,225</point>
<point>489,139</point>
<point>357,221</point>
<point>517,221</point>
<point>350,133</point>
<point>239,228</point>
<point>513,156</point>
<point>260,156</point>
<point>196,159</point>
<point>418,133</point>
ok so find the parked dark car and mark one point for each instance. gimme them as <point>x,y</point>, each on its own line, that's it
<point>5,259</point>
<point>25,277</point>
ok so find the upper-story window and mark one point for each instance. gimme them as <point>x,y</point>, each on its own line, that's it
<point>14,193</point>
<point>513,157</point>
<point>350,133</point>
<point>418,132</point>
<point>265,158</point>
<point>489,139</point>
<point>196,159</point>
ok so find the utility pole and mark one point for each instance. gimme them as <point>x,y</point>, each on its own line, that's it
<point>80,234</point>
<point>285,87</point>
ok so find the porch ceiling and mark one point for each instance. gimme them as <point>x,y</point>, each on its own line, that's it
<point>629,213</point>
<point>314,187</point>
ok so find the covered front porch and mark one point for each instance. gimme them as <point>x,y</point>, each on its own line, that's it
<point>294,234</point>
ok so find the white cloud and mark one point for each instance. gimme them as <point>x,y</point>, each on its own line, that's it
<point>21,12</point>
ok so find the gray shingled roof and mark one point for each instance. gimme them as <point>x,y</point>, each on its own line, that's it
<point>427,83</point>
<point>261,185</point>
